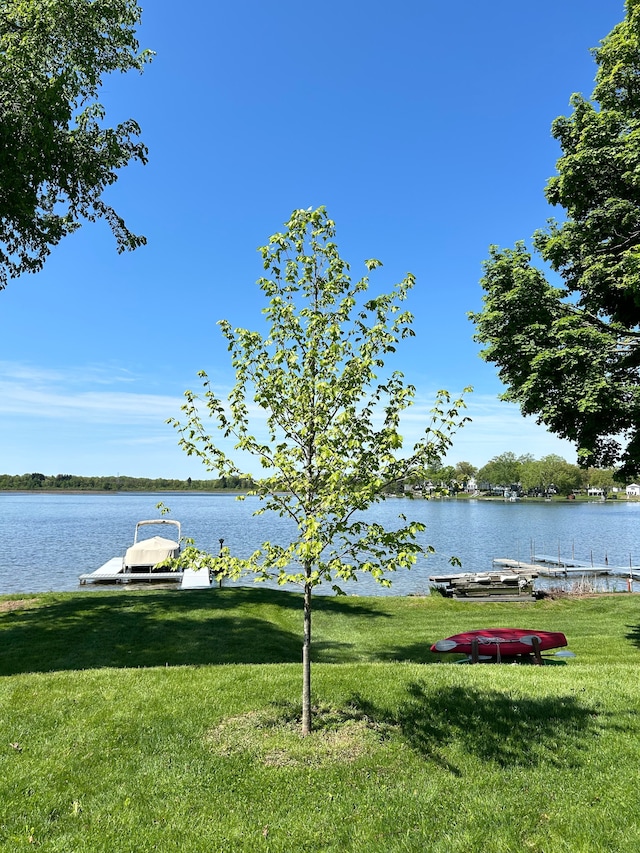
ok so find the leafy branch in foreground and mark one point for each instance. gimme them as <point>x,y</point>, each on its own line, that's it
<point>331,443</point>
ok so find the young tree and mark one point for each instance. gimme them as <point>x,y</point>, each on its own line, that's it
<point>570,354</point>
<point>57,158</point>
<point>333,426</point>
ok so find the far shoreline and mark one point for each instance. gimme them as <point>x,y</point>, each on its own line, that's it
<point>461,496</point>
<point>108,492</point>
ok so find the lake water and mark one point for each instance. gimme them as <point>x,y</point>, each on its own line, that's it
<point>47,540</point>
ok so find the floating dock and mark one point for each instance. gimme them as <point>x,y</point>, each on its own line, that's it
<point>556,567</point>
<point>113,572</point>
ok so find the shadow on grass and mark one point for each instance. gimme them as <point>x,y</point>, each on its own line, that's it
<point>492,726</point>
<point>161,628</point>
<point>414,652</point>
<point>634,635</point>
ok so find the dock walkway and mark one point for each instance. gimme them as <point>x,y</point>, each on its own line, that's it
<point>113,572</point>
<point>554,567</point>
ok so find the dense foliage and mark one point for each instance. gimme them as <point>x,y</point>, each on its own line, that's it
<point>56,155</point>
<point>524,474</point>
<point>570,354</point>
<point>71,482</point>
<point>549,474</point>
<point>502,470</point>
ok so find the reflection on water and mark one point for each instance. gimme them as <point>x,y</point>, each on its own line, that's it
<point>46,540</point>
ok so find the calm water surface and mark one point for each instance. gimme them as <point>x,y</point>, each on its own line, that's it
<point>46,540</point>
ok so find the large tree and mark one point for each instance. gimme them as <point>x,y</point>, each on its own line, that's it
<point>56,155</point>
<point>569,352</point>
<point>503,470</point>
<point>551,471</point>
<point>331,443</point>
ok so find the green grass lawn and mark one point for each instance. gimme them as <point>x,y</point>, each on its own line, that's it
<point>139,721</point>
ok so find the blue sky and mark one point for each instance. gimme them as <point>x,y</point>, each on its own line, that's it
<point>423,127</point>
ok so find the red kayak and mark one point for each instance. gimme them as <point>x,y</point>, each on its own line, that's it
<point>501,642</point>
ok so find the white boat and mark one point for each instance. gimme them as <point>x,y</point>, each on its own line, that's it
<point>140,562</point>
<point>145,554</point>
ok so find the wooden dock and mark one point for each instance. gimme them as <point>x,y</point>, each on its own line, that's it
<point>505,583</point>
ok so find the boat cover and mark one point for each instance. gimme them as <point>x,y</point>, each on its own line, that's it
<point>150,552</point>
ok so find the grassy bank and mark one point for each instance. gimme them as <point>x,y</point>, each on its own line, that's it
<point>166,721</point>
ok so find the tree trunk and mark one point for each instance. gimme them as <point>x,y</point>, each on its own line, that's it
<point>306,663</point>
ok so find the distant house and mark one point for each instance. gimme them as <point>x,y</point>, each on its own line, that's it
<point>593,491</point>
<point>633,490</point>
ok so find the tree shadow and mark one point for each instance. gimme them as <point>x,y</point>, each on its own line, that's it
<point>492,726</point>
<point>634,635</point>
<point>159,628</point>
<point>413,652</point>
<point>328,651</point>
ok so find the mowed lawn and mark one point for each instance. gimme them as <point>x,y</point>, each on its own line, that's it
<point>166,720</point>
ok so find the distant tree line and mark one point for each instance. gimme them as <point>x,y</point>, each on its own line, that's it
<point>119,483</point>
<point>532,475</point>
<point>551,473</point>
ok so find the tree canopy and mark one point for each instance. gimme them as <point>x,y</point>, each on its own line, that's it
<point>504,469</point>
<point>56,157</point>
<point>117,483</point>
<point>569,352</point>
<point>552,471</point>
<point>331,441</point>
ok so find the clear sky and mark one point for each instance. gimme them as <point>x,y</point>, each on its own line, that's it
<point>422,126</point>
